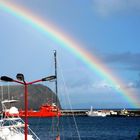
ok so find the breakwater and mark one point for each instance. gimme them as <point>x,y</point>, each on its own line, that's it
<point>118,112</point>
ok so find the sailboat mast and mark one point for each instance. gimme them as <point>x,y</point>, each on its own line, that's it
<point>55,65</point>
<point>56,91</point>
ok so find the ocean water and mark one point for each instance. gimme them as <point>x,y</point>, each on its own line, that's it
<point>89,128</point>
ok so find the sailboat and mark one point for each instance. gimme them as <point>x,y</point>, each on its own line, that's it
<point>93,113</point>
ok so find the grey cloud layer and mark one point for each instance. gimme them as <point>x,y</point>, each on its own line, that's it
<point>108,7</point>
<point>127,60</point>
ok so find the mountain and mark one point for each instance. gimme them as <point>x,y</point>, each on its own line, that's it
<point>38,94</point>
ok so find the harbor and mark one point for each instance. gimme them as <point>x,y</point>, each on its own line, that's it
<point>70,70</point>
<point>109,112</point>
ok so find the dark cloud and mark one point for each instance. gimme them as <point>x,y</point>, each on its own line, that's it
<point>109,7</point>
<point>126,60</point>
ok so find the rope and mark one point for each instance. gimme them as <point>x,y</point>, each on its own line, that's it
<point>67,119</point>
<point>66,91</point>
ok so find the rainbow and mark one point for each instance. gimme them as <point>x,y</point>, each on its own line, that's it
<point>68,43</point>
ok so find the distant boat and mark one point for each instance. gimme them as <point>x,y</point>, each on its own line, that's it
<point>93,113</point>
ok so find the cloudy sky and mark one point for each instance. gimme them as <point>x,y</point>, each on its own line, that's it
<point>108,29</point>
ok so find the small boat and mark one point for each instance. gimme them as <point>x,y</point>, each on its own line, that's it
<point>99,113</point>
<point>12,128</point>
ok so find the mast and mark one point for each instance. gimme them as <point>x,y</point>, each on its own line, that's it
<point>55,65</point>
<point>56,91</point>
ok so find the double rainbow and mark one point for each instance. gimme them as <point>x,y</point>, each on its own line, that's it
<point>66,42</point>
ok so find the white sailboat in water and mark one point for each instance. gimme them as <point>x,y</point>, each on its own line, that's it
<point>94,113</point>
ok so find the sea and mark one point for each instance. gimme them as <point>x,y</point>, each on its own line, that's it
<point>86,128</point>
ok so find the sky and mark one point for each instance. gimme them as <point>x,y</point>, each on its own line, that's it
<point>108,29</point>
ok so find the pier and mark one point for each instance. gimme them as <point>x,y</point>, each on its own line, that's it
<point>82,112</point>
<point>69,112</point>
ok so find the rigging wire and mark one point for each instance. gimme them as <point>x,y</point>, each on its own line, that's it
<point>66,102</point>
<point>69,102</point>
<point>66,119</point>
